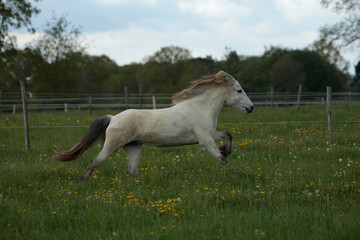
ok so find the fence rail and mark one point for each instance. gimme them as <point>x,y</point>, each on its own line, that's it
<point>42,101</point>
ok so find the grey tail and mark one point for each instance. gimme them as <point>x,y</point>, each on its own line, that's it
<point>96,130</point>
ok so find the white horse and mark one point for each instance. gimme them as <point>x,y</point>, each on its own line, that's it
<point>191,120</point>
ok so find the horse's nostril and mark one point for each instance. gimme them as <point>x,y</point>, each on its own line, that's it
<point>249,110</point>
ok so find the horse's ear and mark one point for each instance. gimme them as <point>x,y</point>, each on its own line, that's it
<point>222,77</point>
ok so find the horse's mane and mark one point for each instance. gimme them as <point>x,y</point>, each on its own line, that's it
<point>199,86</point>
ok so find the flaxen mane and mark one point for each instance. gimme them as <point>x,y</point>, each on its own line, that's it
<point>198,86</point>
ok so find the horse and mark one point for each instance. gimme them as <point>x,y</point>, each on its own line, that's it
<point>191,120</point>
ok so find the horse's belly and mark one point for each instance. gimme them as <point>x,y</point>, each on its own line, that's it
<point>163,140</point>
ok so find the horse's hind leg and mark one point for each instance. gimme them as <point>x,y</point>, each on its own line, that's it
<point>109,148</point>
<point>133,150</point>
<point>225,148</point>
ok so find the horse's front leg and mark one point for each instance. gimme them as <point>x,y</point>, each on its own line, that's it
<point>225,148</point>
<point>209,143</point>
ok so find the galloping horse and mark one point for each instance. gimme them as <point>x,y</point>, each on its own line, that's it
<point>191,120</point>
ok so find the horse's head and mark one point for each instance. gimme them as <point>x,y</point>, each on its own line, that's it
<point>237,97</point>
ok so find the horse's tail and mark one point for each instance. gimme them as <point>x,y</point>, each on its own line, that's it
<point>95,131</point>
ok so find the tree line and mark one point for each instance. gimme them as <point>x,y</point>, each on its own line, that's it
<point>77,72</point>
<point>57,62</point>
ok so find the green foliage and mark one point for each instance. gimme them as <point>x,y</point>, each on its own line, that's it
<point>124,76</point>
<point>285,182</point>
<point>21,65</point>
<point>77,72</point>
<point>170,54</point>
<point>345,33</point>
<point>59,41</point>
<point>286,74</point>
<point>355,83</point>
<point>14,15</point>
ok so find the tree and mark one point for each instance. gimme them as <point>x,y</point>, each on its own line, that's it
<point>60,40</point>
<point>319,72</point>
<point>14,14</point>
<point>231,63</point>
<point>63,52</point>
<point>355,84</point>
<point>25,63</point>
<point>345,33</point>
<point>124,76</point>
<point>170,54</point>
<point>330,53</point>
<point>286,74</point>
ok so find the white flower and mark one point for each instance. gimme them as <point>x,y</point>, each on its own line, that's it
<point>340,159</point>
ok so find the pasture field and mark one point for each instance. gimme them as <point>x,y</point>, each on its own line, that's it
<point>285,181</point>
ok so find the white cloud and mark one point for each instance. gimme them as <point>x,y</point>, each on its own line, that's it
<point>134,43</point>
<point>122,2</point>
<point>22,39</point>
<point>214,9</point>
<point>298,10</point>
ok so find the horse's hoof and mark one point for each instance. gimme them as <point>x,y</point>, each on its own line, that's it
<point>224,154</point>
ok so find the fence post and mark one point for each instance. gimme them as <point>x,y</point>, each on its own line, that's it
<point>329,115</point>
<point>25,113</point>
<point>299,97</point>
<point>65,107</point>
<point>90,105</point>
<point>14,109</point>
<point>126,98</point>
<point>285,99</point>
<point>154,101</point>
<point>272,96</point>
<point>141,99</point>
<point>346,100</point>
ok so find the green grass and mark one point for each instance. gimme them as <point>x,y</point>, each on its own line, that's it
<point>285,182</point>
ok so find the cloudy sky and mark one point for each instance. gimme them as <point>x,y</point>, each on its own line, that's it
<point>129,30</point>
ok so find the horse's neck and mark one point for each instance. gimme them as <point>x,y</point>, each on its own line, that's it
<point>209,103</point>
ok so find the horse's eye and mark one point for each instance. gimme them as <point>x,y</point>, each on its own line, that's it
<point>239,91</point>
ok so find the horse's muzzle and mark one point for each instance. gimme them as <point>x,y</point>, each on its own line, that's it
<point>250,109</point>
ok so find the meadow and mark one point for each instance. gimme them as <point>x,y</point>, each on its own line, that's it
<point>285,181</point>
